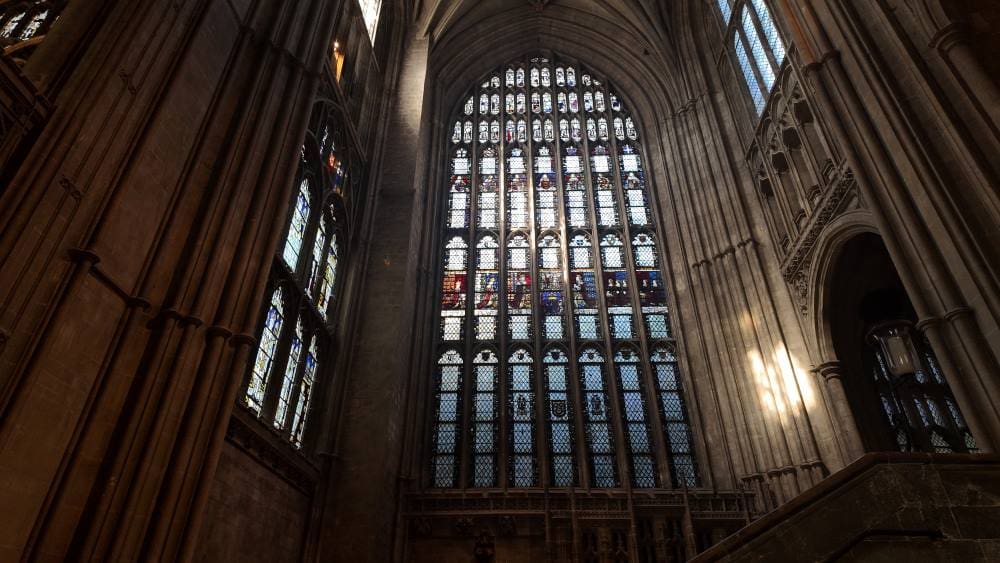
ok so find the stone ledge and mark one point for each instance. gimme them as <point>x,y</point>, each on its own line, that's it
<point>828,488</point>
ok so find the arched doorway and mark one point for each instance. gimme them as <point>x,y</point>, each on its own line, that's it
<point>898,393</point>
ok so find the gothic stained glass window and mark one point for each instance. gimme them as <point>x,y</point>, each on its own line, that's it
<point>262,365</point>
<point>597,419</point>
<point>304,395</point>
<point>559,414</point>
<point>749,75</point>
<point>634,413</point>
<point>521,404</point>
<point>549,252</point>
<point>297,228</point>
<point>297,324</point>
<point>677,430</point>
<point>485,424</point>
<point>288,384</point>
<point>445,433</point>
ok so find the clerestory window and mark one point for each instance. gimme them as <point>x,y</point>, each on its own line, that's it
<point>756,46</point>
<point>297,322</point>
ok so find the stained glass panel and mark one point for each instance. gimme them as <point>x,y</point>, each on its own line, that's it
<point>297,228</point>
<point>521,412</point>
<point>560,212</point>
<point>288,382</point>
<point>305,394</point>
<point>600,444</point>
<point>264,361</point>
<point>484,419</point>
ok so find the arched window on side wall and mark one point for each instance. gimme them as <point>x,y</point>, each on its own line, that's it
<point>24,24</point>
<point>756,46</point>
<point>297,324</point>
<point>553,315</point>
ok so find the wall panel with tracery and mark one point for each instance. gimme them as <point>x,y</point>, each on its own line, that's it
<point>553,325</point>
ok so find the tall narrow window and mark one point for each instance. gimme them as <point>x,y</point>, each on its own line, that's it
<point>640,449</point>
<point>485,423</point>
<point>597,419</point>
<point>560,418</point>
<point>757,46</point>
<point>297,228</point>
<point>370,10</point>
<point>447,417</point>
<point>288,383</point>
<point>262,365</point>
<point>551,287</point>
<point>683,468</point>
<point>522,419</point>
<point>296,328</point>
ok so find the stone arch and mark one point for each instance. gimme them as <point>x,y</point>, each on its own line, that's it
<point>829,247</point>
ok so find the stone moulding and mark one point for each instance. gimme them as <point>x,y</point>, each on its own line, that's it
<point>796,266</point>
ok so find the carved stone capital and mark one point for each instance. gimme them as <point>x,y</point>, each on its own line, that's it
<point>830,370</point>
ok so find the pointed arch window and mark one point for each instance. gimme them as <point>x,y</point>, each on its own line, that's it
<point>296,329</point>
<point>551,287</point>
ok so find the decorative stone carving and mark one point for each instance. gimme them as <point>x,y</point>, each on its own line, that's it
<point>796,267</point>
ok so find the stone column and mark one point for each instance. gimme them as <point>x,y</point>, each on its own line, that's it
<point>832,373</point>
<point>141,232</point>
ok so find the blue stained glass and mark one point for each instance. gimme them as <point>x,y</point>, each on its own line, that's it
<point>674,414</point>
<point>329,276</point>
<point>447,415</point>
<point>265,353</point>
<point>297,228</point>
<point>287,384</point>
<point>521,196</point>
<point>316,265</point>
<point>305,396</point>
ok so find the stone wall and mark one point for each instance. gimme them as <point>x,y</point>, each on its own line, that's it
<point>253,514</point>
<point>884,507</point>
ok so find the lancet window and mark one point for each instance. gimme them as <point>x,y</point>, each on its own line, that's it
<point>756,45</point>
<point>553,310</point>
<point>298,321</point>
